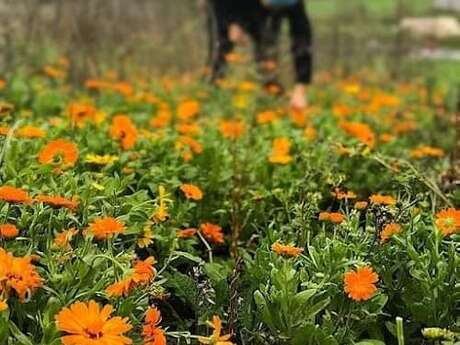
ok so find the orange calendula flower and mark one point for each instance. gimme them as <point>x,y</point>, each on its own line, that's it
<point>190,143</point>
<point>343,195</point>
<point>89,324</point>
<point>379,199</point>
<point>8,231</point>
<point>360,284</point>
<point>361,205</point>
<point>152,333</point>
<point>143,273</point>
<point>120,288</point>
<point>107,227</point>
<point>361,131</point>
<point>58,201</point>
<point>188,109</point>
<point>81,113</point>
<point>62,239</point>
<point>386,137</point>
<point>191,191</point>
<point>448,221</point>
<point>162,118</point>
<point>232,129</point>
<point>333,217</point>
<point>388,231</point>
<point>267,117</point>
<point>189,129</point>
<point>186,233</point>
<point>426,151</point>
<point>18,274</point>
<point>216,338</point>
<point>341,110</point>
<point>30,132</point>
<point>280,151</point>
<point>14,195</point>
<point>280,249</point>
<point>124,131</point>
<point>54,72</point>
<point>59,153</point>
<point>310,133</point>
<point>212,232</point>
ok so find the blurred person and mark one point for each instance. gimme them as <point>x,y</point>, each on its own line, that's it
<point>230,20</point>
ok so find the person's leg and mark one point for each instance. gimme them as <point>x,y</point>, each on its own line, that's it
<point>265,37</point>
<point>219,42</point>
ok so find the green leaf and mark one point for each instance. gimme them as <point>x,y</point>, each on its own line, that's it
<point>370,342</point>
<point>20,337</point>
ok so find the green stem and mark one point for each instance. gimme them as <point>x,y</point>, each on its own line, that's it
<point>400,330</point>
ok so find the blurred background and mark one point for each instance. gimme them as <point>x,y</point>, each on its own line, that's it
<point>405,37</point>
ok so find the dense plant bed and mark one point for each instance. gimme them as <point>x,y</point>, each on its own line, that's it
<point>170,211</point>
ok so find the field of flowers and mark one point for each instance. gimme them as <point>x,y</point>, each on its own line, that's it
<point>169,211</point>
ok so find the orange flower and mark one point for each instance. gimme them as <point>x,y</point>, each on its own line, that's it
<point>267,117</point>
<point>80,113</point>
<point>62,239</point>
<point>186,110</point>
<point>8,231</point>
<point>234,58</point>
<point>103,228</point>
<point>162,118</point>
<point>360,284</point>
<point>343,195</point>
<point>448,221</point>
<point>212,232</point>
<point>2,84</point>
<point>333,217</point>
<point>341,110</point>
<point>360,205</point>
<point>18,274</point>
<point>360,131</point>
<point>188,129</point>
<point>123,88</point>
<point>120,288</point>
<point>54,72</point>
<point>59,153</point>
<point>189,142</point>
<point>310,133</point>
<point>280,249</point>
<point>58,201</point>
<point>388,231</point>
<point>30,132</point>
<point>191,191</point>
<point>186,233</point>
<point>379,199</point>
<point>232,129</point>
<point>151,332</point>
<point>216,338</point>
<point>386,137</point>
<point>426,151</point>
<point>124,130</point>
<point>14,195</point>
<point>88,324</point>
<point>143,273</point>
<point>280,151</point>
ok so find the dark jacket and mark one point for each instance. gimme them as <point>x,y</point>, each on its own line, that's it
<point>263,25</point>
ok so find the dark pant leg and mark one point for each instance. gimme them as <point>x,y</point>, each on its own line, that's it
<point>265,36</point>
<point>219,44</point>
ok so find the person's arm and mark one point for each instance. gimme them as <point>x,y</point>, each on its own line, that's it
<point>219,42</point>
